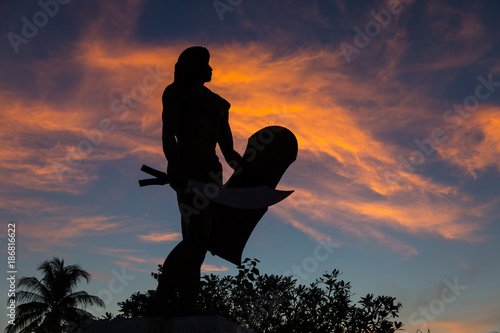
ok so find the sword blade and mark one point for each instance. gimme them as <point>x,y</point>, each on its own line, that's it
<point>243,198</point>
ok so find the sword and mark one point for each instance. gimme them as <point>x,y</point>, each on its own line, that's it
<point>244,198</point>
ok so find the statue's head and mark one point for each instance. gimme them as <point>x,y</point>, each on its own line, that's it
<point>192,66</point>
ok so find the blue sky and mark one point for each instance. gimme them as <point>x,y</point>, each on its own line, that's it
<point>396,107</point>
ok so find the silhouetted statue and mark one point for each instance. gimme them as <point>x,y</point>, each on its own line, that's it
<point>195,120</point>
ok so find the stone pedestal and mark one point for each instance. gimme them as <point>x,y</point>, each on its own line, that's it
<point>213,324</point>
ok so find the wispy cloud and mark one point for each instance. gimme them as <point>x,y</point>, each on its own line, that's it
<point>161,237</point>
<point>136,260</point>
<point>475,146</point>
<point>205,268</point>
<point>352,122</point>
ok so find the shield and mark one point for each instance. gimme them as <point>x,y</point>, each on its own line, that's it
<point>269,153</point>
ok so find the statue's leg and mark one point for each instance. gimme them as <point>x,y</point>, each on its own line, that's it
<point>197,240</point>
<point>181,269</point>
<point>164,296</point>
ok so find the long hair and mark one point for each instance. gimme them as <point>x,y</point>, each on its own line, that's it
<point>188,65</point>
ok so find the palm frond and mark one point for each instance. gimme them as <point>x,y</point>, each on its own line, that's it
<point>77,315</point>
<point>28,315</point>
<point>35,285</point>
<point>28,296</point>
<point>82,299</point>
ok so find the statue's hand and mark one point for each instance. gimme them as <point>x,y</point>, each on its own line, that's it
<point>178,179</point>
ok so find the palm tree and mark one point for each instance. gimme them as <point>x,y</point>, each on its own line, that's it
<point>51,304</point>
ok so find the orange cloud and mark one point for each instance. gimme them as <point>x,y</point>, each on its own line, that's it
<point>47,233</point>
<point>75,227</point>
<point>161,237</point>
<point>338,113</point>
<point>211,268</point>
<point>482,319</point>
<point>475,146</point>
<point>130,258</point>
<point>130,261</point>
<point>113,251</point>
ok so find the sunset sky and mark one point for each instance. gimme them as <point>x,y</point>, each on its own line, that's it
<point>395,105</point>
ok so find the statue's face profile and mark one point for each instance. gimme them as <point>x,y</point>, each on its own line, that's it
<point>192,66</point>
<point>206,72</point>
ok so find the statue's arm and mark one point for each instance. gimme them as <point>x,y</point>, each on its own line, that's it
<point>171,118</point>
<point>227,146</point>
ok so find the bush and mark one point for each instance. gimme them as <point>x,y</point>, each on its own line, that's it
<point>275,303</point>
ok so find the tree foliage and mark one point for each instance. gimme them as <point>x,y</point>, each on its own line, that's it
<point>52,304</point>
<point>135,306</point>
<point>276,303</point>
